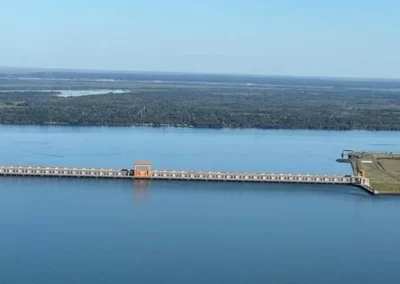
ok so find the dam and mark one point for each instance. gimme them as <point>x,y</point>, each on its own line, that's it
<point>143,170</point>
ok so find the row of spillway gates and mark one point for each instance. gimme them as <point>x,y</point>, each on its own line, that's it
<point>143,170</point>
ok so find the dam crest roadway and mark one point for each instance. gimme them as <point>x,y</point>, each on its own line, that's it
<point>143,170</point>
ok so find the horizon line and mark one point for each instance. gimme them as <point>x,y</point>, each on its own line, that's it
<point>89,70</point>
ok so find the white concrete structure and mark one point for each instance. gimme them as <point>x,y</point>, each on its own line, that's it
<point>181,175</point>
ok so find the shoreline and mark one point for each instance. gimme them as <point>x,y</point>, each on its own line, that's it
<point>387,193</point>
<point>185,126</point>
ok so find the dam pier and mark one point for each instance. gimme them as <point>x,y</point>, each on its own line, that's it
<point>143,170</point>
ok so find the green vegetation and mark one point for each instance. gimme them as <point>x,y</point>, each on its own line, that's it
<point>4,105</point>
<point>383,170</point>
<point>386,187</point>
<point>268,104</point>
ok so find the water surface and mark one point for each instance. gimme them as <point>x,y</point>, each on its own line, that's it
<point>72,93</point>
<point>108,231</point>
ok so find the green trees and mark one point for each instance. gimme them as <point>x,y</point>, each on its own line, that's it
<point>211,107</point>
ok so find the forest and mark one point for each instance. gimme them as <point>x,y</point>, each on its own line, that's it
<point>194,104</point>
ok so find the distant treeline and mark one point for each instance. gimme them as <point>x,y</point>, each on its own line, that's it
<point>212,108</point>
<point>209,78</point>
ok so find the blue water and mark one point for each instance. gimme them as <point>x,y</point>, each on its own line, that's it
<point>108,231</point>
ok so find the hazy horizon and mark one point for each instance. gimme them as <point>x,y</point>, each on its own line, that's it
<point>27,70</point>
<point>340,39</point>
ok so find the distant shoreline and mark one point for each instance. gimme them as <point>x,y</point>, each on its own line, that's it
<point>189,127</point>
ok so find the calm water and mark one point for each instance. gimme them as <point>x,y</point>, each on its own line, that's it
<point>103,231</point>
<point>72,93</point>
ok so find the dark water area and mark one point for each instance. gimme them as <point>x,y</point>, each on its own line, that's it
<point>122,231</point>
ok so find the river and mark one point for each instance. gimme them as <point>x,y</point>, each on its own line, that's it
<point>120,231</point>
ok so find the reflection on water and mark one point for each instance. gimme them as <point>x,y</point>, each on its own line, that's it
<point>141,191</point>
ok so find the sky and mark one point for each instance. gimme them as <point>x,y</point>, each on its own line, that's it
<point>336,38</point>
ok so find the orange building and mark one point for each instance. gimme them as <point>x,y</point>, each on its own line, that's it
<point>142,170</point>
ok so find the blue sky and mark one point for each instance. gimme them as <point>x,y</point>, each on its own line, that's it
<point>339,38</point>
